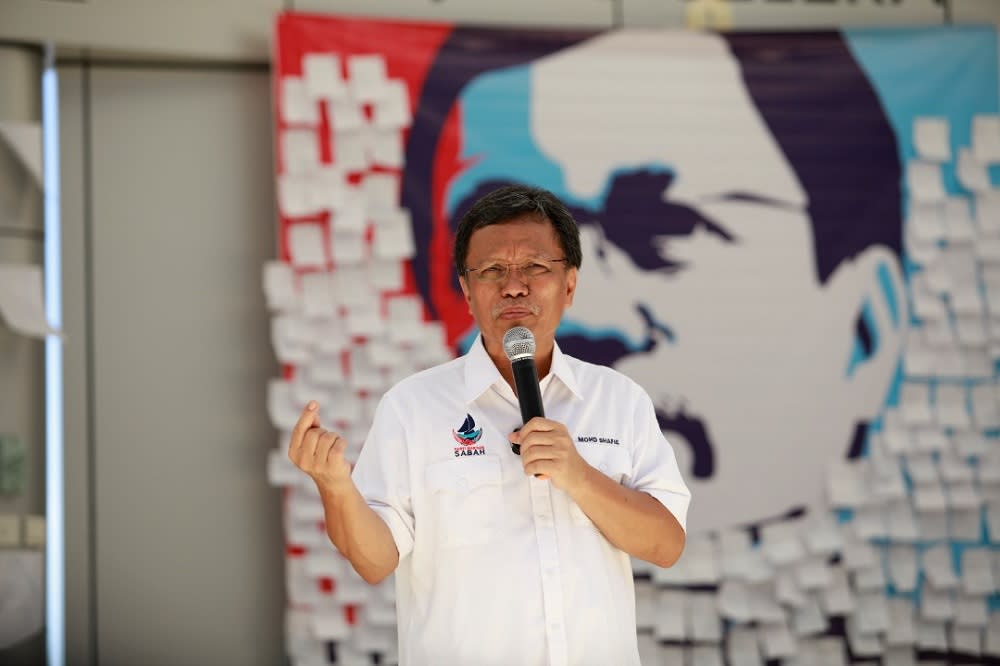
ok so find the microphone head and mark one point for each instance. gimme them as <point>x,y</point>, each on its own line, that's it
<point>519,343</point>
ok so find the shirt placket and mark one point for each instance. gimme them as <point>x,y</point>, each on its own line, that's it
<point>548,549</point>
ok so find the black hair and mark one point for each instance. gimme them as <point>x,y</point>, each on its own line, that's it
<point>510,202</point>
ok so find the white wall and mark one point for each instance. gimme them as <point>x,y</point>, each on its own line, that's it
<point>174,542</point>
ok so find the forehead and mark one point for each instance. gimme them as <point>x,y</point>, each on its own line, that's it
<point>519,237</point>
<point>621,101</point>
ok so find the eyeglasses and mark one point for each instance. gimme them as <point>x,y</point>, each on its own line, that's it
<point>496,272</point>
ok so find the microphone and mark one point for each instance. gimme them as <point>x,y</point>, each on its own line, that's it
<point>519,346</point>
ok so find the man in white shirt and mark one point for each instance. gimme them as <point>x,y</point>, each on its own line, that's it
<point>505,559</point>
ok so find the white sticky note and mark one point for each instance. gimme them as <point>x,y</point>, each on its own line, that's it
<point>823,536</point>
<point>365,321</point>
<point>870,578</point>
<point>346,115</point>
<point>902,622</point>
<point>386,275</point>
<point>986,138</point>
<point>936,605</point>
<point>394,237</point>
<point>971,611</point>
<point>782,542</point>
<point>992,639</point>
<point>929,498</point>
<point>668,618</point>
<point>328,187</point>
<point>847,483</point>
<point>296,195</point>
<point>977,572</point>
<point>348,248</point>
<point>645,605</point>
<point>985,406</point>
<point>931,138</point>
<point>734,600</point>
<point>950,405</point>
<point>367,76</point>
<point>703,617</point>
<point>350,150</point>
<point>330,625</point>
<point>808,619</point>
<point>742,648</point>
<point>897,440</point>
<point>351,286</point>
<point>988,250</point>
<point>283,411</point>
<point>958,220</point>
<point>317,295</point>
<point>300,150</point>
<point>938,567</point>
<point>351,216</point>
<point>288,342</point>
<point>837,598</point>
<point>872,611</point>
<point>924,182</point>
<point>787,591</point>
<point>987,208</point>
<point>920,252</point>
<point>902,522</point>
<point>297,107</point>
<point>392,109</point>
<point>931,635</point>
<point>902,561</point>
<point>813,573</point>
<point>764,607</point>
<point>386,148</point>
<point>322,74</point>
<point>381,194</point>
<point>971,331</point>
<point>922,468</point>
<point>972,443</point>
<point>777,640</point>
<point>965,640</point>
<point>915,405</point>
<point>279,286</point>
<point>859,553</point>
<point>925,222</point>
<point>863,643</point>
<point>972,174</point>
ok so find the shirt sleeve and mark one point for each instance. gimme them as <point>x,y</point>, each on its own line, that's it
<point>654,466</point>
<point>382,475</point>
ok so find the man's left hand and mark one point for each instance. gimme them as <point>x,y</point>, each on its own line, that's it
<point>547,450</point>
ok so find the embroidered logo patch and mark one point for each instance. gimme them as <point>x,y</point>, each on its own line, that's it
<point>467,436</point>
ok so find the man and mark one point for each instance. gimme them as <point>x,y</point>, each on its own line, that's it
<point>743,267</point>
<point>503,559</point>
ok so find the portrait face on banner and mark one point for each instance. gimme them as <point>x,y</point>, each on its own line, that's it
<point>736,290</point>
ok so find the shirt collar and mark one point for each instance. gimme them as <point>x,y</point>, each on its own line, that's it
<point>481,373</point>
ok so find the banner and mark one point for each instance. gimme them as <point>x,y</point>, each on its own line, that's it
<point>790,240</point>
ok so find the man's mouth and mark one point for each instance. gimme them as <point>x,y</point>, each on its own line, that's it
<point>514,310</point>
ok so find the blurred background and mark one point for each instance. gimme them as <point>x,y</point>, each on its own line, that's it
<point>163,405</point>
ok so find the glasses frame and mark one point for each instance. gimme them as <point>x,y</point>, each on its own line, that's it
<point>510,269</point>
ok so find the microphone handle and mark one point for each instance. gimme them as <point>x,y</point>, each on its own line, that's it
<point>529,395</point>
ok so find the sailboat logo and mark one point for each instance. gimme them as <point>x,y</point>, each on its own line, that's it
<point>468,434</point>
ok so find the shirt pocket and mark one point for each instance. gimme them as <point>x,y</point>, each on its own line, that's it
<point>466,496</point>
<point>611,462</point>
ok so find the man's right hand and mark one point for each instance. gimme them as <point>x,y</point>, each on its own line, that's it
<point>319,452</point>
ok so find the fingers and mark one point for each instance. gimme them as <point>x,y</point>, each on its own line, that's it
<point>308,419</point>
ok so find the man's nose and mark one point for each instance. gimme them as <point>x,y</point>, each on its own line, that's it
<point>514,283</point>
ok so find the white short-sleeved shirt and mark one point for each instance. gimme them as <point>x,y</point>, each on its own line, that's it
<point>497,567</point>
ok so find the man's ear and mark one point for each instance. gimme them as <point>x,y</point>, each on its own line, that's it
<point>872,291</point>
<point>465,289</point>
<point>571,275</point>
